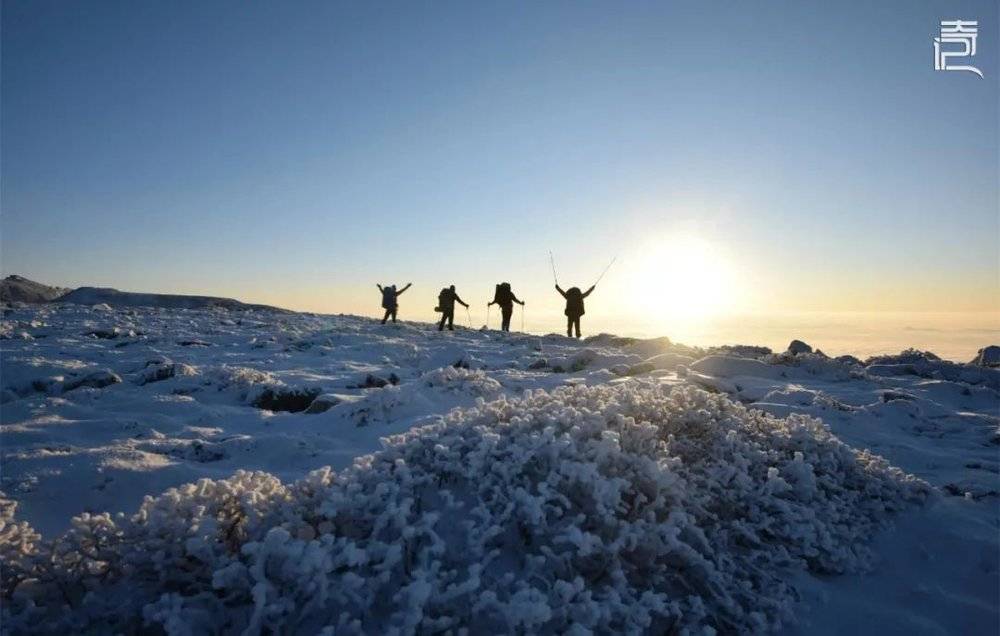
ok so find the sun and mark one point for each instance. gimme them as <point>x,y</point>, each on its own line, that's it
<point>683,277</point>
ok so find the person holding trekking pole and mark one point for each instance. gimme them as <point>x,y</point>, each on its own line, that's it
<point>504,297</point>
<point>574,307</point>
<point>446,305</point>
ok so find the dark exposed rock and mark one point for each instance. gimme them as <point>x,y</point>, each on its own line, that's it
<point>291,400</point>
<point>796,347</point>
<point>104,334</point>
<point>988,357</point>
<point>193,343</point>
<point>889,396</point>
<point>96,380</point>
<point>741,351</point>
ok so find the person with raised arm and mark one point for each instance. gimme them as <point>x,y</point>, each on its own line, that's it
<point>390,301</point>
<point>574,307</point>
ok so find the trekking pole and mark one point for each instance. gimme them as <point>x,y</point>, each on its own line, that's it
<point>522,317</point>
<point>552,261</point>
<point>469,314</point>
<point>605,270</point>
<point>487,315</point>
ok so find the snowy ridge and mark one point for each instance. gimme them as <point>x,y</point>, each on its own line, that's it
<point>628,509</point>
<point>115,298</point>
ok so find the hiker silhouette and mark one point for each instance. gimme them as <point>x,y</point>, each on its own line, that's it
<point>446,305</point>
<point>504,297</point>
<point>574,307</point>
<point>389,300</point>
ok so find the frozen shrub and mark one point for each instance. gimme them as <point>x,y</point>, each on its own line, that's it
<point>458,379</point>
<point>909,356</point>
<point>251,386</point>
<point>17,548</point>
<point>158,372</point>
<point>818,364</point>
<point>741,351</point>
<point>611,340</point>
<point>627,509</point>
<point>243,377</point>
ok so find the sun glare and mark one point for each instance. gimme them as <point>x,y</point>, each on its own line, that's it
<point>684,277</point>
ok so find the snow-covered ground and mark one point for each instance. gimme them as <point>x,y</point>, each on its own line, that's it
<point>606,485</point>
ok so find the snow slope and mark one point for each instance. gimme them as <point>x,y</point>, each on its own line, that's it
<point>609,485</point>
<point>19,289</point>
<point>115,298</point>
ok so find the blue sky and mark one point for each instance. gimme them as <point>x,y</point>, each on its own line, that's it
<point>297,153</point>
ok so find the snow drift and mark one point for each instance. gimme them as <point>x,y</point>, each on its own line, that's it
<point>626,508</point>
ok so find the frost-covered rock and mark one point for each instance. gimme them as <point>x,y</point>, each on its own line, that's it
<point>988,357</point>
<point>458,379</point>
<point>925,364</point>
<point>95,380</point>
<point>669,361</point>
<point>664,361</point>
<point>246,383</point>
<point>632,508</point>
<point>110,333</point>
<point>158,372</point>
<point>610,340</point>
<point>796,347</point>
<point>650,347</point>
<point>818,364</point>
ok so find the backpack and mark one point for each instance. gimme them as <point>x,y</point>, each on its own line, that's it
<point>445,301</point>
<point>388,298</point>
<point>574,302</point>
<point>503,296</point>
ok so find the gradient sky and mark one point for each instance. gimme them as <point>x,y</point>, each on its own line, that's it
<point>298,153</point>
